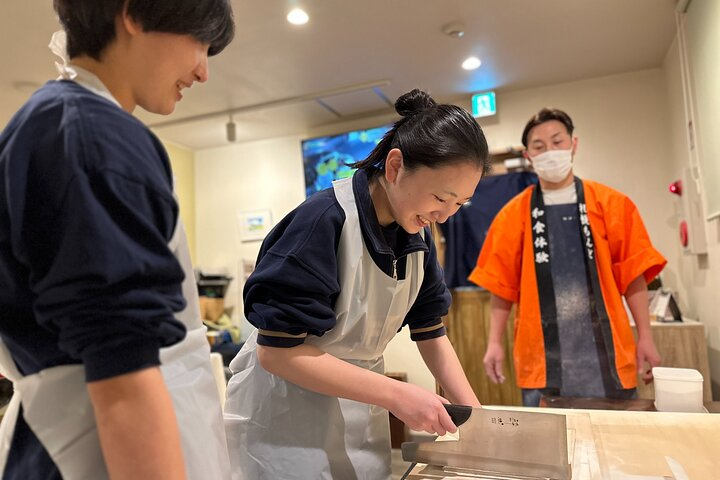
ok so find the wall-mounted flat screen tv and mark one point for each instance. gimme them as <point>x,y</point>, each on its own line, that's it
<point>328,158</point>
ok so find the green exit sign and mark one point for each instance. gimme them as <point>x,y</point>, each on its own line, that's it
<point>483,104</point>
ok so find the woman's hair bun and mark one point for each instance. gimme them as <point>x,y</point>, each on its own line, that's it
<point>413,103</point>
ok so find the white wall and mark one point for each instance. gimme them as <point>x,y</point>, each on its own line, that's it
<point>700,275</point>
<point>622,123</point>
<point>183,167</point>
<point>235,178</point>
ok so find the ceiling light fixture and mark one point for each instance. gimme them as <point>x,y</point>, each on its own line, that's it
<point>297,16</point>
<point>454,29</point>
<point>231,130</point>
<point>471,63</point>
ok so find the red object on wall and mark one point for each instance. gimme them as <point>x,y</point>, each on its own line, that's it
<point>684,233</point>
<point>690,217</point>
<point>676,187</point>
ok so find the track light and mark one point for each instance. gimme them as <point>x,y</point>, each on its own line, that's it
<point>230,130</point>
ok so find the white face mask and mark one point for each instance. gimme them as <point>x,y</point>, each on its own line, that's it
<point>553,165</point>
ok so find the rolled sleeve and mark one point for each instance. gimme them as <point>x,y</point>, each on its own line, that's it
<point>108,284</point>
<point>280,339</point>
<point>121,359</point>
<point>287,303</point>
<point>494,284</point>
<point>426,333</point>
<point>291,293</point>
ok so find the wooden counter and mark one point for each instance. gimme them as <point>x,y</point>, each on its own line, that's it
<point>587,403</point>
<point>468,328</point>
<point>681,344</point>
<point>614,445</point>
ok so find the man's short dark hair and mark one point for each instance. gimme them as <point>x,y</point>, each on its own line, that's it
<point>546,115</point>
<point>90,24</point>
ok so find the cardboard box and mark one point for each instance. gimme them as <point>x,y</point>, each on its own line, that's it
<point>211,308</point>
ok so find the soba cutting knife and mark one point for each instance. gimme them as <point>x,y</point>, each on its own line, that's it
<point>505,442</point>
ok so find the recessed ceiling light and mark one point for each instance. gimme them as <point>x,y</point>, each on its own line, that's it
<point>297,16</point>
<point>471,63</point>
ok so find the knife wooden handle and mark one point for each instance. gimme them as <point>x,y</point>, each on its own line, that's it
<point>459,414</point>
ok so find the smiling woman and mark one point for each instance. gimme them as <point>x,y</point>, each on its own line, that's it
<point>416,197</point>
<point>336,279</point>
<point>426,165</point>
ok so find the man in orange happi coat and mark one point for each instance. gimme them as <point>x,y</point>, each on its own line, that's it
<point>567,251</point>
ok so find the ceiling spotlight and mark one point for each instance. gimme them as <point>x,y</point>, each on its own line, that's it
<point>231,130</point>
<point>297,16</point>
<point>454,29</point>
<point>471,63</point>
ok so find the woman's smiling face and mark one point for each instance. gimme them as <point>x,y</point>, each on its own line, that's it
<point>419,197</point>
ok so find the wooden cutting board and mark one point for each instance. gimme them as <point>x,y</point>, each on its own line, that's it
<point>625,445</point>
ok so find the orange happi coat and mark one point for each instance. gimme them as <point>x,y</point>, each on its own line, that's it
<point>506,268</point>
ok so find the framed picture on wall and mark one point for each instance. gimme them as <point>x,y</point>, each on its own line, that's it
<point>254,225</point>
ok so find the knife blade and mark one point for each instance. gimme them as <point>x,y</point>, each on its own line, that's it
<point>503,441</point>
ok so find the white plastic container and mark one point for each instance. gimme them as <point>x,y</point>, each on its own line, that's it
<point>678,390</point>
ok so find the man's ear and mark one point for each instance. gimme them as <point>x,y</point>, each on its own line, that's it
<point>527,156</point>
<point>127,23</point>
<point>393,164</point>
<point>574,145</point>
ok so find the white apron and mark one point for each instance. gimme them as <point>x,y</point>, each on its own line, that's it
<point>57,407</point>
<point>278,430</point>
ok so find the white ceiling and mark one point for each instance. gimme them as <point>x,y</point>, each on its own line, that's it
<point>522,44</point>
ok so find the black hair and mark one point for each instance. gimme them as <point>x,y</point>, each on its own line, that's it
<point>546,115</point>
<point>90,24</point>
<point>429,134</point>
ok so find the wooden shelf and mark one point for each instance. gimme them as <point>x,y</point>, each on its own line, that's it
<point>498,157</point>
